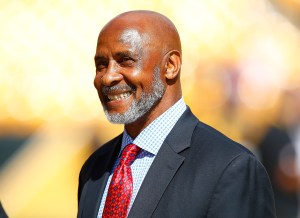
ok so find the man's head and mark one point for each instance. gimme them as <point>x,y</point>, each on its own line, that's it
<point>138,61</point>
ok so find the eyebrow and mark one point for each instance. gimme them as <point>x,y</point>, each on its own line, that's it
<point>99,58</point>
<point>124,54</point>
<point>117,54</point>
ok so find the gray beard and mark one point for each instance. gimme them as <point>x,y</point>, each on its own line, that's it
<point>139,108</point>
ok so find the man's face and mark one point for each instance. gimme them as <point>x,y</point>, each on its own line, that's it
<point>127,75</point>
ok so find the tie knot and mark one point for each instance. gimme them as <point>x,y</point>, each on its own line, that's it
<point>129,153</point>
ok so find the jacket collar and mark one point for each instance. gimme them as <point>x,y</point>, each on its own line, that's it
<point>164,167</point>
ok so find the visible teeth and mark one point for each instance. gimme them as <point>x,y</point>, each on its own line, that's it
<point>118,97</point>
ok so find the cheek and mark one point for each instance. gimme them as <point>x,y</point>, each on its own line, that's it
<point>145,86</point>
<point>141,79</point>
<point>97,82</point>
<point>98,87</point>
<point>137,71</point>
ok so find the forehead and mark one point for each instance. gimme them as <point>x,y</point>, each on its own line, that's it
<point>113,38</point>
<point>131,37</point>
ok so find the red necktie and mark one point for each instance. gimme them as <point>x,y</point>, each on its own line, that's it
<point>120,188</point>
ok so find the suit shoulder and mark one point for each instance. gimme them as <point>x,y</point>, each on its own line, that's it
<point>212,140</point>
<point>102,150</point>
<point>216,153</point>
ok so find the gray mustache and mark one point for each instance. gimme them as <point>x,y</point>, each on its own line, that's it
<point>117,88</point>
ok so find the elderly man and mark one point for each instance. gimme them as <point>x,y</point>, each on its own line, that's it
<point>166,163</point>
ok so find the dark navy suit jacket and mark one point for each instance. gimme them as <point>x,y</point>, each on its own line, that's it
<point>2,212</point>
<point>198,172</point>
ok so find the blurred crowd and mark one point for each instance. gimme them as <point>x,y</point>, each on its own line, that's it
<point>279,149</point>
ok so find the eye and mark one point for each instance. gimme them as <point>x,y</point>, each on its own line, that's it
<point>126,61</point>
<point>100,66</point>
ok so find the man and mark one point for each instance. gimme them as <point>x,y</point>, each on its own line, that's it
<point>166,163</point>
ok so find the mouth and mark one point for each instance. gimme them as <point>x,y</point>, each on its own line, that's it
<point>114,97</point>
<point>117,93</point>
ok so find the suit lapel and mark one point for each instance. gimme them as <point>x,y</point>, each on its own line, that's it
<point>96,184</point>
<point>164,167</point>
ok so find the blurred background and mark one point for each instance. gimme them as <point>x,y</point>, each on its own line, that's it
<point>241,74</point>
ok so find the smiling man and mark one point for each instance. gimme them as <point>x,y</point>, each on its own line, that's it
<point>166,163</point>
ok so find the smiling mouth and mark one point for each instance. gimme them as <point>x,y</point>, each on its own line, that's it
<point>121,96</point>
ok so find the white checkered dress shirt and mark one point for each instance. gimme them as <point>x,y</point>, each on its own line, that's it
<point>150,141</point>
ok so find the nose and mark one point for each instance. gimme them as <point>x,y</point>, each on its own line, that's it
<point>110,77</point>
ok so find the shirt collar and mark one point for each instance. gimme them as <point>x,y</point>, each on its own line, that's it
<point>152,137</point>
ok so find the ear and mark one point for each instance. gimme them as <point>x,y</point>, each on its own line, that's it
<point>173,64</point>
